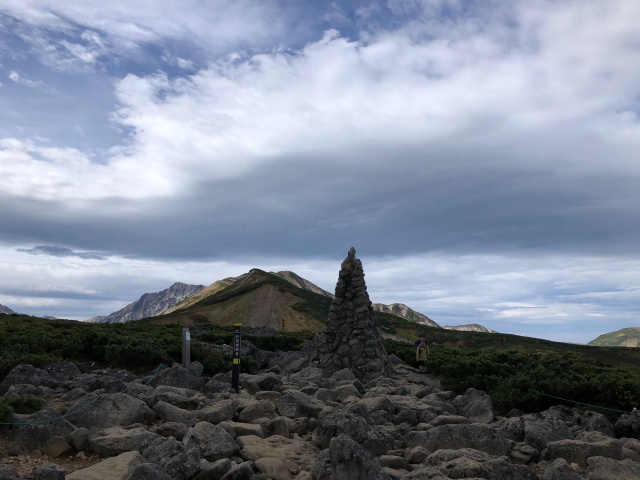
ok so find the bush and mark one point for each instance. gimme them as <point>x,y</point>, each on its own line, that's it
<point>24,405</point>
<point>6,412</point>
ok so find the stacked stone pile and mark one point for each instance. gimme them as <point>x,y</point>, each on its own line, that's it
<point>299,424</point>
<point>352,338</point>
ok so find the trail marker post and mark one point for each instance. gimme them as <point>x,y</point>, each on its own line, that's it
<point>186,348</point>
<point>235,369</point>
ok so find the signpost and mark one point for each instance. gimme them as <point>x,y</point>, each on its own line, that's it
<point>235,369</point>
<point>186,348</point>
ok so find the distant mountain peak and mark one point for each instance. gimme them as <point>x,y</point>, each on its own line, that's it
<point>6,310</point>
<point>151,304</point>
<point>625,337</point>
<point>471,327</point>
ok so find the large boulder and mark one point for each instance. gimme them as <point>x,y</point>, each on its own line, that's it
<point>177,376</point>
<point>217,444</point>
<point>97,412</point>
<point>470,463</point>
<point>218,412</point>
<point>372,437</point>
<point>560,470</point>
<point>171,413</point>
<point>295,404</point>
<point>628,425</point>
<point>26,374</point>
<point>33,430</point>
<point>298,451</point>
<point>597,422</point>
<point>116,440</point>
<point>114,468</point>
<point>578,451</point>
<point>601,468</point>
<point>345,459</point>
<point>476,405</point>
<point>539,431</point>
<point>476,436</point>
<point>178,462</point>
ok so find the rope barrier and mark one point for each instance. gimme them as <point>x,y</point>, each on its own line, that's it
<point>82,407</point>
<point>579,403</point>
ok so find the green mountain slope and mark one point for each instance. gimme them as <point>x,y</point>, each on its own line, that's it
<point>627,337</point>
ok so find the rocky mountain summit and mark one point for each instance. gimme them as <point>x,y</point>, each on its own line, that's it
<point>151,304</point>
<point>472,327</point>
<point>313,414</point>
<point>4,309</point>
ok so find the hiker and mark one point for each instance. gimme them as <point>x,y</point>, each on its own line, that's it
<point>422,355</point>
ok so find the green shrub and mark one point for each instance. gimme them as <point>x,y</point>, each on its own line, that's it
<point>6,412</point>
<point>24,405</point>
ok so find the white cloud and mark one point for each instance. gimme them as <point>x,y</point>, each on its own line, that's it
<point>20,79</point>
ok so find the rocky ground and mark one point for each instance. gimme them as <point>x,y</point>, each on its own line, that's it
<point>290,422</point>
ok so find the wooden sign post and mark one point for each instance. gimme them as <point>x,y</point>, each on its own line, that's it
<point>235,369</point>
<point>186,348</point>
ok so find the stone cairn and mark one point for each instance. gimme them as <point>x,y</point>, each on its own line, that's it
<point>352,338</point>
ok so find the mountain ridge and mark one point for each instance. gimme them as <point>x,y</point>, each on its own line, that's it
<point>625,337</point>
<point>4,309</point>
<point>150,304</point>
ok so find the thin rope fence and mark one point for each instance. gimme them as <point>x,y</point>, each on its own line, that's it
<point>579,403</point>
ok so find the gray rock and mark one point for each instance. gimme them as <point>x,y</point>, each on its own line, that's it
<point>110,410</point>
<point>171,413</point>
<point>114,468</point>
<point>296,404</point>
<point>476,405</point>
<point>373,438</point>
<point>259,409</point>
<point>596,422</point>
<point>470,463</point>
<point>179,397</point>
<point>179,463</point>
<point>261,382</point>
<point>601,468</point>
<point>177,376</point>
<point>148,471</point>
<point>218,412</point>
<point>26,374</point>
<point>63,371</point>
<point>55,447</point>
<point>560,470</point>
<point>540,431</point>
<point>7,472</point>
<point>277,426</point>
<point>171,429</point>
<point>79,439</point>
<point>48,471</point>
<point>214,470</point>
<point>296,450</point>
<point>273,468</point>
<point>349,461</point>
<point>240,472</point>
<point>476,436</point>
<point>628,425</point>
<point>577,451</point>
<point>219,445</point>
<point>116,440</point>
<point>33,431</point>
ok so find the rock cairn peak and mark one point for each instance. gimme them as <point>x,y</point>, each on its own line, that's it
<point>352,338</point>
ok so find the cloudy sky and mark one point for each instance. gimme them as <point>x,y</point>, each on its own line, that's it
<point>482,157</point>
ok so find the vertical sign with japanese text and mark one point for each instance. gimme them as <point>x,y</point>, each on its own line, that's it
<point>235,369</point>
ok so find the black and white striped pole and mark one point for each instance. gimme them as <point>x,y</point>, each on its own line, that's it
<point>235,369</point>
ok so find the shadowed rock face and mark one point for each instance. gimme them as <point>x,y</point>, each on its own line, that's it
<point>352,338</point>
